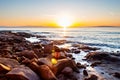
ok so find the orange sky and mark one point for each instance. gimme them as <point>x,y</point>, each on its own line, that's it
<point>46,12</point>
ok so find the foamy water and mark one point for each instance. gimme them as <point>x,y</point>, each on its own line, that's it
<point>106,38</point>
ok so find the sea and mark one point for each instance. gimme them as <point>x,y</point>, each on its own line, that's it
<point>106,38</point>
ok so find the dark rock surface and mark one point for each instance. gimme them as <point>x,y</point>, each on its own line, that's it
<point>22,73</point>
<point>117,74</point>
<point>92,77</point>
<point>24,60</point>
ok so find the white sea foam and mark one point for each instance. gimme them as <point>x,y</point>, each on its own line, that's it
<point>106,38</point>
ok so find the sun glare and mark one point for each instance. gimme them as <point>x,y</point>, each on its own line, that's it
<point>64,21</point>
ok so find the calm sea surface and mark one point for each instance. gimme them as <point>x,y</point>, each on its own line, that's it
<point>106,38</point>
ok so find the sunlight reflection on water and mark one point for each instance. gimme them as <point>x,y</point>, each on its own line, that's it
<point>101,37</point>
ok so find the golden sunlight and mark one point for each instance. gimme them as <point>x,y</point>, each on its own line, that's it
<point>54,61</point>
<point>64,21</point>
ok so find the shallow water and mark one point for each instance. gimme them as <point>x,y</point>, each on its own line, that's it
<point>106,38</point>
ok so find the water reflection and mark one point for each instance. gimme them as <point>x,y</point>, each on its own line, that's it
<point>64,31</point>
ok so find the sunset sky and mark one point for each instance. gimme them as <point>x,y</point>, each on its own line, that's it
<point>48,12</point>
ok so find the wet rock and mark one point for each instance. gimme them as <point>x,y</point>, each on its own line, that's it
<point>65,50</point>
<point>79,65</point>
<point>9,62</point>
<point>114,58</point>
<point>64,77</point>
<point>44,61</point>
<point>4,68</point>
<point>97,55</point>
<point>32,64</point>
<point>69,55</point>
<point>5,32</point>
<point>37,46</point>
<point>3,78</point>
<point>92,77</point>
<point>76,51</point>
<point>62,55</point>
<point>73,58</point>
<point>101,56</point>
<point>24,34</point>
<point>18,48</point>
<point>96,63</point>
<point>87,48</point>
<point>28,54</point>
<point>11,38</point>
<point>39,52</point>
<point>67,71</point>
<point>59,55</point>
<point>59,42</point>
<point>48,48</point>
<point>75,45</point>
<point>61,77</point>
<point>46,73</point>
<point>5,53</point>
<point>116,54</point>
<point>117,74</point>
<point>22,73</point>
<point>62,63</point>
<point>57,49</point>
<point>40,36</point>
<point>85,72</point>
<point>102,72</point>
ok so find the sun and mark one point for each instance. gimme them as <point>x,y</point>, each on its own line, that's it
<point>64,21</point>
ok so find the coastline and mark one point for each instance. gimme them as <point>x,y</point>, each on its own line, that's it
<point>36,56</point>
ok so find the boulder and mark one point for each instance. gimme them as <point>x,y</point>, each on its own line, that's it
<point>37,46</point>
<point>5,53</point>
<point>59,55</point>
<point>79,65</point>
<point>87,48</point>
<point>117,74</point>
<point>61,77</point>
<point>97,55</point>
<point>67,71</point>
<point>85,72</point>
<point>4,68</point>
<point>77,51</point>
<point>102,56</point>
<point>24,34</point>
<point>114,58</point>
<point>44,61</point>
<point>92,77</point>
<point>69,55</point>
<point>57,49</point>
<point>96,63</point>
<point>34,66</point>
<point>48,48</point>
<point>28,54</point>
<point>22,73</point>
<point>11,63</point>
<point>39,52</point>
<point>62,63</point>
<point>65,50</point>
<point>76,45</point>
<point>46,73</point>
<point>3,78</point>
<point>11,38</point>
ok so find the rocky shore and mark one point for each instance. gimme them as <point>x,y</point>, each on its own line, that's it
<point>46,60</point>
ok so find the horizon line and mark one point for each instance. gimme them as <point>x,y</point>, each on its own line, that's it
<point>56,26</point>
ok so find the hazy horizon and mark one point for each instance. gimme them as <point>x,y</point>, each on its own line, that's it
<point>49,12</point>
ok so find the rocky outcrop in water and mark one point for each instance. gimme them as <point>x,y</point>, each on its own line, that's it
<point>23,60</point>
